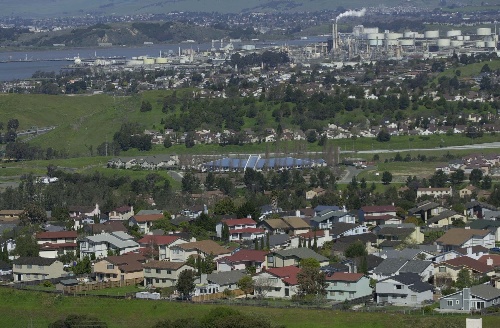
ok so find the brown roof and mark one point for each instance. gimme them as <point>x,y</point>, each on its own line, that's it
<point>468,262</point>
<point>110,226</point>
<point>345,276</point>
<point>11,212</point>
<point>127,263</point>
<point>296,223</point>
<point>458,236</point>
<point>148,217</point>
<point>56,234</point>
<point>164,265</point>
<point>277,224</point>
<point>205,246</point>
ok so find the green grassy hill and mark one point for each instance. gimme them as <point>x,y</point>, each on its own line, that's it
<point>80,7</point>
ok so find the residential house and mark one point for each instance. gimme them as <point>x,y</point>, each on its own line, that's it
<point>109,226</point>
<point>36,268</point>
<point>145,222</point>
<point>491,225</point>
<point>426,209</point>
<point>277,282</point>
<point>447,271</point>
<point>10,215</point>
<point>242,260</point>
<point>463,238</point>
<point>224,280</point>
<point>474,298</point>
<point>320,236</point>
<point>445,219</point>
<point>343,286</point>
<point>240,229</point>
<point>467,191</point>
<point>403,289</point>
<point>194,211</point>
<point>54,244</point>
<point>341,244</point>
<point>5,270</point>
<point>376,215</point>
<point>119,268</point>
<point>161,245</point>
<point>325,219</point>
<point>287,225</point>
<point>160,274</point>
<point>99,245</point>
<point>315,192</point>
<point>122,213</point>
<point>477,210</point>
<point>406,253</point>
<point>405,233</point>
<point>341,229</point>
<point>287,257</point>
<point>88,211</point>
<point>434,192</point>
<point>394,266</point>
<point>203,248</point>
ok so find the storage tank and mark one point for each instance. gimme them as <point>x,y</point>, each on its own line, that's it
<point>406,42</point>
<point>480,44</point>
<point>134,62</point>
<point>460,37</point>
<point>375,42</point>
<point>484,31</point>
<point>457,43</point>
<point>161,60</point>
<point>148,61</point>
<point>370,30</point>
<point>466,37</point>
<point>490,44</point>
<point>391,43</point>
<point>443,42</point>
<point>393,36</point>
<point>410,34</point>
<point>453,33</point>
<point>374,36</point>
<point>431,34</point>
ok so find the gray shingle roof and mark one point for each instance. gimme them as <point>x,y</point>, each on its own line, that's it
<point>486,292</point>
<point>389,266</point>
<point>34,261</point>
<point>412,280</point>
<point>226,278</point>
<point>415,266</point>
<point>443,215</point>
<point>327,214</point>
<point>301,253</point>
<point>118,238</point>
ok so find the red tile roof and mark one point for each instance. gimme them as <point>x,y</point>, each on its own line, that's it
<point>245,255</point>
<point>158,240</point>
<point>234,222</point>
<point>148,217</point>
<point>50,246</point>
<point>465,261</point>
<point>311,234</point>
<point>345,276</point>
<point>56,234</point>
<point>494,257</point>
<point>381,208</point>
<point>288,274</point>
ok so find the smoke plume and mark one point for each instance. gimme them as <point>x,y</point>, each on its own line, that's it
<point>352,13</point>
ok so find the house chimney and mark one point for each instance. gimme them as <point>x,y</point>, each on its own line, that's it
<point>297,213</point>
<point>489,261</point>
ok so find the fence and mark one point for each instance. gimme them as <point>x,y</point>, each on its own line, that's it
<point>216,296</point>
<point>100,285</point>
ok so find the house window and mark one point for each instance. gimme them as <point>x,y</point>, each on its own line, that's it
<point>35,276</point>
<point>158,270</point>
<point>277,289</point>
<point>84,244</point>
<point>335,283</point>
<point>332,293</point>
<point>450,303</point>
<point>19,266</point>
<point>414,298</point>
<point>341,293</point>
<point>176,251</point>
<point>147,270</point>
<point>351,294</point>
<point>157,281</point>
<point>28,276</point>
<point>442,269</point>
<point>399,287</point>
<point>29,266</point>
<point>110,266</point>
<point>169,272</point>
<point>458,302</point>
<point>348,284</point>
<point>40,267</point>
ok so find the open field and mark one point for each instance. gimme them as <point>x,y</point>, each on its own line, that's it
<point>400,171</point>
<point>470,69</point>
<point>35,309</point>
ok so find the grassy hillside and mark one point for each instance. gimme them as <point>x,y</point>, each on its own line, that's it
<point>34,309</point>
<point>69,7</point>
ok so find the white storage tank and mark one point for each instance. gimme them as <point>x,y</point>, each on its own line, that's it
<point>393,36</point>
<point>148,61</point>
<point>480,44</point>
<point>134,62</point>
<point>453,33</point>
<point>490,44</point>
<point>443,42</point>
<point>370,30</point>
<point>460,37</point>
<point>161,60</point>
<point>375,42</point>
<point>391,43</point>
<point>457,43</point>
<point>484,31</point>
<point>466,37</point>
<point>375,36</point>
<point>406,42</point>
<point>410,34</point>
<point>431,34</point>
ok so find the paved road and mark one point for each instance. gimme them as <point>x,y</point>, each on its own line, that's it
<point>490,145</point>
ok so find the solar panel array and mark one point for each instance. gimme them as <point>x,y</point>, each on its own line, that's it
<point>257,163</point>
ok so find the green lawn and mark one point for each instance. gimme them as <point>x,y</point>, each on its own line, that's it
<point>34,309</point>
<point>119,291</point>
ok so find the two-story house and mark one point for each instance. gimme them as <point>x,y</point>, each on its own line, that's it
<point>100,245</point>
<point>119,268</point>
<point>144,222</point>
<point>163,273</point>
<point>287,225</point>
<point>403,289</point>
<point>122,213</point>
<point>276,282</point>
<point>339,230</point>
<point>242,260</point>
<point>54,244</point>
<point>406,232</point>
<point>462,238</point>
<point>379,214</point>
<point>426,209</point>
<point>327,218</point>
<point>293,256</point>
<point>474,298</point>
<point>203,248</point>
<point>434,192</point>
<point>342,286</point>
<point>447,271</point>
<point>36,268</point>
<point>321,237</point>
<point>160,246</point>
<point>240,229</point>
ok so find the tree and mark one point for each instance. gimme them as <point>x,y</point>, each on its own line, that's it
<point>363,265</point>
<point>167,143</point>
<point>26,246</point>
<point>356,249</point>
<point>13,124</point>
<point>146,106</point>
<point>386,177</point>
<point>457,177</point>
<point>438,179</point>
<point>189,141</point>
<point>190,183</point>
<point>383,136</point>
<point>311,136</point>
<point>246,285</point>
<point>33,214</point>
<point>463,279</point>
<point>262,286</point>
<point>475,177</point>
<point>487,182</point>
<point>311,280</point>
<point>225,233</point>
<point>224,206</point>
<point>210,181</point>
<point>78,320</point>
<point>185,283</point>
<point>83,267</point>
